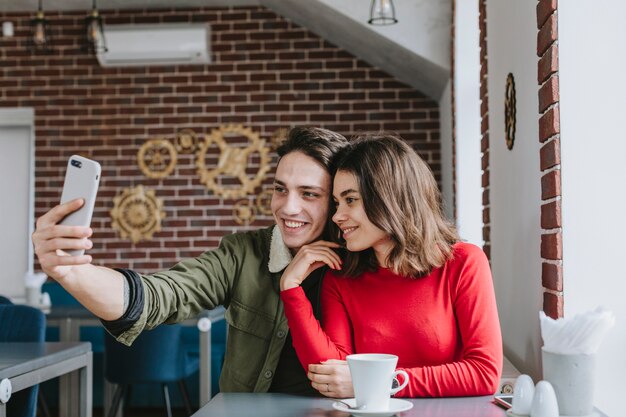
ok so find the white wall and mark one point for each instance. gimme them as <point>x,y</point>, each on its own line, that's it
<point>469,204</point>
<point>515,181</point>
<point>445,135</point>
<point>16,204</point>
<point>592,64</point>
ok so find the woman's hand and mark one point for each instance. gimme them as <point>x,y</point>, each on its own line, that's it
<point>50,238</point>
<point>308,259</point>
<point>332,378</point>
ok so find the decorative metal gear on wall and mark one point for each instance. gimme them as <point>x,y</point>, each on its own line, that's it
<point>243,212</point>
<point>278,137</point>
<point>264,202</point>
<point>157,158</point>
<point>137,213</point>
<point>232,161</point>
<point>510,104</point>
<point>186,141</point>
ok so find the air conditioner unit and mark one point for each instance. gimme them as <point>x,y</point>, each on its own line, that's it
<point>156,44</point>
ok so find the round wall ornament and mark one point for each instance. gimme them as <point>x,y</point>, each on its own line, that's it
<point>264,202</point>
<point>186,141</point>
<point>510,104</point>
<point>243,212</point>
<point>137,213</point>
<point>239,161</point>
<point>157,158</point>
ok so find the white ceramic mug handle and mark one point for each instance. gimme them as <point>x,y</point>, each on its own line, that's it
<point>406,381</point>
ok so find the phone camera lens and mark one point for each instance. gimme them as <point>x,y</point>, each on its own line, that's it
<point>76,163</point>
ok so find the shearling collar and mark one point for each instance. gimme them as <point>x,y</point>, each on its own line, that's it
<point>279,252</point>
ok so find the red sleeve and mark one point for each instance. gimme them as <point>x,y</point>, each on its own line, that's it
<point>311,343</point>
<point>479,368</point>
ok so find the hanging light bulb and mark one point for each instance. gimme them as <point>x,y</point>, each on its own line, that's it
<point>95,41</point>
<point>40,38</point>
<point>382,12</point>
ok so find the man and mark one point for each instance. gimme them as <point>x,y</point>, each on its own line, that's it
<point>243,274</point>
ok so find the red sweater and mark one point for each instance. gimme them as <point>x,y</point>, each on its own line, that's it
<point>444,327</point>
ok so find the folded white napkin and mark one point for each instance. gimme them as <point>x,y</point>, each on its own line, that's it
<point>581,333</point>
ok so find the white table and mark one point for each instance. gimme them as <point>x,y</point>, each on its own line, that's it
<point>283,405</point>
<point>28,364</point>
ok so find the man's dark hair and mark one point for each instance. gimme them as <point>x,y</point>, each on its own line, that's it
<point>317,143</point>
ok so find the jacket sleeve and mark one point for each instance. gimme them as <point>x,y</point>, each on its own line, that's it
<point>189,287</point>
<point>478,370</point>
<point>312,343</point>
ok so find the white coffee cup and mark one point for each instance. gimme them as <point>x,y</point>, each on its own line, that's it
<point>372,379</point>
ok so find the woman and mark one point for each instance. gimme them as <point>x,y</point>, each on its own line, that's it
<point>406,286</point>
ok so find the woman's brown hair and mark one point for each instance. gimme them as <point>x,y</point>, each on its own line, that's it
<point>401,197</point>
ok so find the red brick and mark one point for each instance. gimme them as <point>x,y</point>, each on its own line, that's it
<point>484,125</point>
<point>550,154</point>
<point>485,197</point>
<point>547,35</point>
<point>487,250</point>
<point>485,179</point>
<point>486,233</point>
<point>551,215</point>
<point>552,276</point>
<point>552,246</point>
<point>544,9</point>
<point>551,185</point>
<point>484,143</point>
<point>549,124</point>
<point>548,64</point>
<point>548,93</point>
<point>553,305</point>
<point>484,107</point>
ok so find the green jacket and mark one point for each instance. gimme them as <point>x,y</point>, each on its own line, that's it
<point>237,276</point>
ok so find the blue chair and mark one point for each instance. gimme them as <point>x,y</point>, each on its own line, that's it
<point>22,324</point>
<point>5,300</point>
<point>93,334</point>
<point>156,356</point>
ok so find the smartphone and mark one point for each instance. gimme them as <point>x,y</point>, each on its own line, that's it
<point>504,400</point>
<point>81,181</point>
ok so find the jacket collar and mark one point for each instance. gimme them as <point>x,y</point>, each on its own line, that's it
<point>279,252</point>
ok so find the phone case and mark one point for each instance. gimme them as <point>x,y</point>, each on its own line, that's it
<point>81,181</point>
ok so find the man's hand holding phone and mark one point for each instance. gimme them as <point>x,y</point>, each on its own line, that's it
<point>62,234</point>
<point>52,239</point>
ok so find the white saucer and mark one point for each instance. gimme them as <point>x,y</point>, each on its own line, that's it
<point>395,406</point>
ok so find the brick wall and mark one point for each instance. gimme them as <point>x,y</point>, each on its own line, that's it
<point>453,104</point>
<point>550,158</point>
<point>268,73</point>
<point>484,125</point>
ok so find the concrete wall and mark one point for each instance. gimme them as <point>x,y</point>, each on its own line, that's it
<point>515,184</point>
<point>593,147</point>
